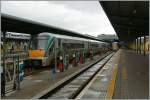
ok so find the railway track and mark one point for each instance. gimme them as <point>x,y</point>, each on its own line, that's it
<point>72,87</point>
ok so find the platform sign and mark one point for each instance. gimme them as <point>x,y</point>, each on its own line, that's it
<point>14,35</point>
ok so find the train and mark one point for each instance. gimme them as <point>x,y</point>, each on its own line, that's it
<point>115,46</point>
<point>46,47</point>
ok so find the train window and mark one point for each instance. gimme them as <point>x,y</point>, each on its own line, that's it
<point>72,45</point>
<point>94,45</point>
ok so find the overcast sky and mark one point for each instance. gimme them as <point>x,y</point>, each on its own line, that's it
<point>85,17</point>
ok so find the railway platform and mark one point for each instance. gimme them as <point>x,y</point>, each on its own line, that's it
<point>129,80</point>
<point>124,76</point>
<point>132,80</point>
<point>38,82</point>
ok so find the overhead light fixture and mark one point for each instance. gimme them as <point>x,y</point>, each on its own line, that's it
<point>134,11</point>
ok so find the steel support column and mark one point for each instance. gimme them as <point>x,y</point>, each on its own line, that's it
<point>137,46</point>
<point>144,45</point>
<point>140,46</point>
<point>3,81</point>
<point>33,40</point>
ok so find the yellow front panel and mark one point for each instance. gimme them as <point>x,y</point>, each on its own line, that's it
<point>36,53</point>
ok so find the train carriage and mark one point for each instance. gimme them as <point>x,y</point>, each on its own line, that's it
<point>46,45</point>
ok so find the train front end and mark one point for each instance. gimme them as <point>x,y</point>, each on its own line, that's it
<point>37,58</point>
<point>39,52</point>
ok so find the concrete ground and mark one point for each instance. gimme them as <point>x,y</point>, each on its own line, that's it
<point>34,84</point>
<point>133,76</point>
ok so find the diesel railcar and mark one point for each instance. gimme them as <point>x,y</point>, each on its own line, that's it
<point>45,46</point>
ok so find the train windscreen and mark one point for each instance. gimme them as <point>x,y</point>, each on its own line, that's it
<point>39,42</point>
<point>42,42</point>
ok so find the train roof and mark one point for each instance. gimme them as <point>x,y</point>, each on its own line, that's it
<point>15,35</point>
<point>62,36</point>
<point>69,37</point>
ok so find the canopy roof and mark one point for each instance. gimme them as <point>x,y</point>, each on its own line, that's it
<point>130,19</point>
<point>20,25</point>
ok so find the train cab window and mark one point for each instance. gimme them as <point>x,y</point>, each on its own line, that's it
<point>39,42</point>
<point>42,41</point>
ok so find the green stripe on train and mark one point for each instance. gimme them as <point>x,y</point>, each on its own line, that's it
<point>49,43</point>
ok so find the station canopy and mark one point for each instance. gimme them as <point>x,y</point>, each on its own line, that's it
<point>16,24</point>
<point>130,19</point>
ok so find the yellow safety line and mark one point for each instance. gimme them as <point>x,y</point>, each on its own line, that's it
<point>111,85</point>
<point>124,73</point>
